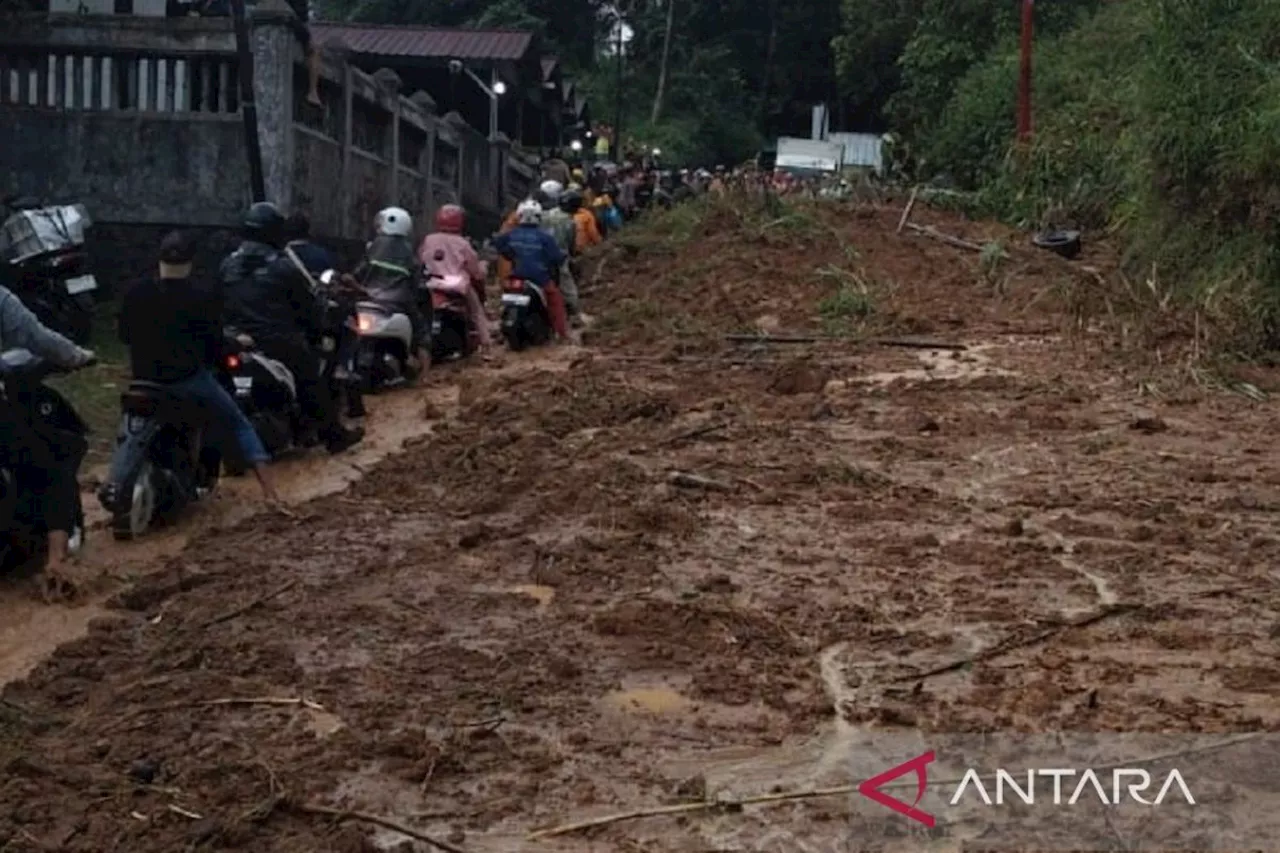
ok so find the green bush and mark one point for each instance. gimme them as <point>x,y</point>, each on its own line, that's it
<point>1158,117</point>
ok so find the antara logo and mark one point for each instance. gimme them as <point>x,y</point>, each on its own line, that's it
<point>1134,781</point>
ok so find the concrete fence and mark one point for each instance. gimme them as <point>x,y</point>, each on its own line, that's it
<point>139,119</point>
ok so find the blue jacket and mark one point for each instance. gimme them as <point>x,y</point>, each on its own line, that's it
<point>533,253</point>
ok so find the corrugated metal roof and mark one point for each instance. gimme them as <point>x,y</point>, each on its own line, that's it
<point>395,40</point>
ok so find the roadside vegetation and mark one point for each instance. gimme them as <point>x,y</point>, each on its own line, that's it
<point>1157,122</point>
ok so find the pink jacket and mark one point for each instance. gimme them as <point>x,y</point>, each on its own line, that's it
<point>457,267</point>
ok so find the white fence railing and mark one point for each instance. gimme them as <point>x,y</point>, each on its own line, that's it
<point>120,82</point>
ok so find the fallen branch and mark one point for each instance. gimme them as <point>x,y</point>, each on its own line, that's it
<point>935,234</point>
<point>240,611</point>
<point>705,429</point>
<point>778,339</point>
<point>376,820</point>
<point>814,339</point>
<point>907,343</point>
<point>684,808</point>
<point>1035,639</point>
<point>694,481</point>
<point>906,211</point>
<point>844,790</point>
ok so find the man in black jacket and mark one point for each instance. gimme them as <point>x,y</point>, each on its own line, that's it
<point>269,299</point>
<point>172,325</point>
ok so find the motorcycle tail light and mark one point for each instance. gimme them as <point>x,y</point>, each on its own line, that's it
<point>233,362</point>
<point>364,322</point>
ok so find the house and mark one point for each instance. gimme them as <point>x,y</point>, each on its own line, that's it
<point>467,72</point>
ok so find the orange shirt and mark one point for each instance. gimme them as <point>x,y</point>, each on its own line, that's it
<point>504,266</point>
<point>588,230</point>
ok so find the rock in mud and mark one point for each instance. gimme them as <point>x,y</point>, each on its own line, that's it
<point>799,378</point>
<point>1149,426</point>
<point>920,422</point>
<point>474,535</point>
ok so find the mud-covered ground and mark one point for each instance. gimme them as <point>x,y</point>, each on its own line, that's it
<point>671,566</point>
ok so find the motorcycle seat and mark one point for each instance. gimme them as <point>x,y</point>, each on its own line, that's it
<point>147,398</point>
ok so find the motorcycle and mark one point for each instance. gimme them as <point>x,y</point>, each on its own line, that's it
<point>45,246</point>
<point>266,390</point>
<point>384,350</point>
<point>526,316</point>
<point>24,538</point>
<point>453,333</point>
<point>164,459</point>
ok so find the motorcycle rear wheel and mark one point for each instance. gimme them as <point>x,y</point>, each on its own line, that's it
<point>135,505</point>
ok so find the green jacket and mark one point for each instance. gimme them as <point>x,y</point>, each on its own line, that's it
<point>562,229</point>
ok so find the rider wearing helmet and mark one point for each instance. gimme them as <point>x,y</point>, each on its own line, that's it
<point>561,227</point>
<point>269,299</point>
<point>446,254</point>
<point>536,257</point>
<point>391,274</point>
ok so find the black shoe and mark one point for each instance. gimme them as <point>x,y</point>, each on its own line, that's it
<point>343,439</point>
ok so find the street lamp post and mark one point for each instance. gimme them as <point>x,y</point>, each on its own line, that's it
<point>494,89</point>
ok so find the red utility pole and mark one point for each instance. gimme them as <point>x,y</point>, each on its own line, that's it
<point>1024,79</point>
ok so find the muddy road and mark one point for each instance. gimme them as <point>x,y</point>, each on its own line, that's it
<point>669,566</point>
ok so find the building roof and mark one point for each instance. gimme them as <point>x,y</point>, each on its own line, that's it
<point>425,42</point>
<point>549,64</point>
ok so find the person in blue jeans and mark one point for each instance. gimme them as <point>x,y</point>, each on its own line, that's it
<point>172,325</point>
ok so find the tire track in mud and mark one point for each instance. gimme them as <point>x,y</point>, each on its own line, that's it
<point>30,630</point>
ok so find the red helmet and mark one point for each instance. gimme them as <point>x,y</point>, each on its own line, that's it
<point>449,219</point>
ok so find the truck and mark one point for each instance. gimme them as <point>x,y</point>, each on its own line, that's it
<point>809,156</point>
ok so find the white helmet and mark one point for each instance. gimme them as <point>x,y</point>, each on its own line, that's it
<point>529,212</point>
<point>393,222</point>
<point>552,190</point>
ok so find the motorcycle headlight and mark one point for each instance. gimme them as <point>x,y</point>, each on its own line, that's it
<point>367,322</point>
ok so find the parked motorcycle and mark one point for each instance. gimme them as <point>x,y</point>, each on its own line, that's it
<point>266,390</point>
<point>164,459</point>
<point>384,349</point>
<point>23,537</point>
<point>526,317</point>
<point>45,246</point>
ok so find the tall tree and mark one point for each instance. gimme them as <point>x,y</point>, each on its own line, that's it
<point>666,58</point>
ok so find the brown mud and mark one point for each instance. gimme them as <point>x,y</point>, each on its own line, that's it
<point>667,567</point>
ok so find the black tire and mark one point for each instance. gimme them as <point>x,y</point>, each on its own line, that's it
<point>537,330</point>
<point>129,519</point>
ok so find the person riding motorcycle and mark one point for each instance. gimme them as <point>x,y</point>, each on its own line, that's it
<point>446,253</point>
<point>564,231</point>
<point>536,257</point>
<point>21,448</point>
<point>268,299</point>
<point>313,257</point>
<point>588,232</point>
<point>392,275</point>
<point>172,326</point>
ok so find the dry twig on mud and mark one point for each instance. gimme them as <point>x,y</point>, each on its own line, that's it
<point>705,429</point>
<point>376,820</point>
<point>684,808</point>
<point>934,234</point>
<point>240,611</point>
<point>694,481</point>
<point>907,343</point>
<point>1035,639</point>
<point>906,211</point>
<point>299,701</point>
